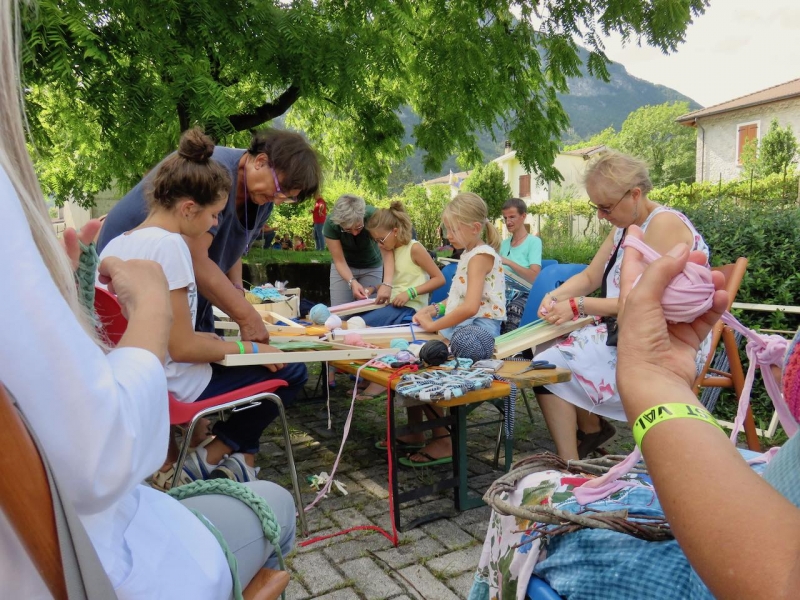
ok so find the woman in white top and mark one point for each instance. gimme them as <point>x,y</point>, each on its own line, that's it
<point>188,193</point>
<point>102,419</point>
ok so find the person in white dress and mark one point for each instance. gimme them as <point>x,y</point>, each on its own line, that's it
<point>617,185</point>
<point>102,418</point>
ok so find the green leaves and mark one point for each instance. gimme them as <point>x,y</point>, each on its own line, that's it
<point>139,71</point>
<point>489,183</point>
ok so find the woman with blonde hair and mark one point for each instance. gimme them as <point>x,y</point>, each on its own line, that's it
<point>617,185</point>
<point>102,417</point>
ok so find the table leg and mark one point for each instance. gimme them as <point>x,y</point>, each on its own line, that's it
<point>392,442</point>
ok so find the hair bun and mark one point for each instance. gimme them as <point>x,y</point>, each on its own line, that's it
<point>195,146</point>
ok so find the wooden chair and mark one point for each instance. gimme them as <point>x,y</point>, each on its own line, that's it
<point>26,501</point>
<point>734,377</point>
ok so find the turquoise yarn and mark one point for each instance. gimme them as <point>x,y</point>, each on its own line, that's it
<point>319,314</point>
<point>399,344</point>
<point>226,487</point>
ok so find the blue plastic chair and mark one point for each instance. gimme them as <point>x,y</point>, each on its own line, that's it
<point>549,279</point>
<point>448,271</point>
<point>538,589</point>
<point>548,262</point>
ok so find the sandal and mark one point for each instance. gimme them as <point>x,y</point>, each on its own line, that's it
<point>589,442</point>
<point>407,462</point>
<point>364,397</point>
<point>162,480</point>
<point>401,446</point>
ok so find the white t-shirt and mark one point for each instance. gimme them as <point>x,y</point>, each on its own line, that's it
<point>103,422</point>
<point>186,381</point>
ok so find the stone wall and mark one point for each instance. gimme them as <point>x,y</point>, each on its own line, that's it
<point>717,136</point>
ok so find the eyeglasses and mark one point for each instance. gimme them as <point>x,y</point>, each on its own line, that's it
<point>279,192</point>
<point>355,230</point>
<point>608,211</point>
<point>386,237</point>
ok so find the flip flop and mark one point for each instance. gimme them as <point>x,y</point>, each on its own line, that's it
<point>407,462</point>
<point>589,442</point>
<point>401,446</point>
<point>362,397</point>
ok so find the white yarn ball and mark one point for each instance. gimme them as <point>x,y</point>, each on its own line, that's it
<point>356,323</point>
<point>333,322</point>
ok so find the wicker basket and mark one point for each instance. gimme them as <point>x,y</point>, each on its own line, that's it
<point>557,522</point>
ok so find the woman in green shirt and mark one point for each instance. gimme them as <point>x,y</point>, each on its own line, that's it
<point>522,254</point>
<point>357,262</point>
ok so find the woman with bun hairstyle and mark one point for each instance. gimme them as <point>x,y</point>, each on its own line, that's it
<point>278,167</point>
<point>188,193</point>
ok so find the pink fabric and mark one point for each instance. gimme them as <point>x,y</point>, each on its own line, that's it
<point>688,296</point>
<point>602,487</point>
<point>763,351</point>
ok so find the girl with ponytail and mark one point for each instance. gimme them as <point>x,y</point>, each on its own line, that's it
<point>478,294</point>
<point>477,297</point>
<point>189,191</point>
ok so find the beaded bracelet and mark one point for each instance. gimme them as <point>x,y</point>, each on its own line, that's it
<point>574,308</point>
<point>581,312</point>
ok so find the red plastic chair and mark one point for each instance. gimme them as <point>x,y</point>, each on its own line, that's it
<point>188,414</point>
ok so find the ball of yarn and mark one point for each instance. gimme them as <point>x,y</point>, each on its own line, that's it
<point>333,322</point>
<point>353,339</point>
<point>319,313</point>
<point>434,353</point>
<point>414,349</point>
<point>398,344</point>
<point>472,342</point>
<point>356,323</point>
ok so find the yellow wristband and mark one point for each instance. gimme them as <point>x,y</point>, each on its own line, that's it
<point>666,412</point>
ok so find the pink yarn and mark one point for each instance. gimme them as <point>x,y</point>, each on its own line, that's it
<point>354,339</point>
<point>689,295</point>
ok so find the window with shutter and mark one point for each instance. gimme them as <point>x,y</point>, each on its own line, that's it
<point>524,186</point>
<point>745,132</point>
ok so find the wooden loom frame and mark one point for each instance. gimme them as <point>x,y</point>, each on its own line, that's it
<point>538,336</point>
<point>340,352</point>
<point>348,308</point>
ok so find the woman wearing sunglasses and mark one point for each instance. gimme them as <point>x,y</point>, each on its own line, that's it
<point>279,166</point>
<point>575,411</point>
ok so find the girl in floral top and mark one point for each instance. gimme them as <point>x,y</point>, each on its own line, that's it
<point>478,292</point>
<point>477,297</point>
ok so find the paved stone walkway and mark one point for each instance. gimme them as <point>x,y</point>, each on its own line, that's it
<point>435,561</point>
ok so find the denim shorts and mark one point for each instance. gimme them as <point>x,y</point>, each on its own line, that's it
<point>490,325</point>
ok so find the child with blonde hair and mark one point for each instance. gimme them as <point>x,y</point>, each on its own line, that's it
<point>415,274</point>
<point>477,297</point>
<point>478,292</point>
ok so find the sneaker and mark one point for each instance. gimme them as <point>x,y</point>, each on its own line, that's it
<point>195,466</point>
<point>234,467</point>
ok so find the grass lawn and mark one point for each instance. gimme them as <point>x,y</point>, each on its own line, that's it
<point>261,256</point>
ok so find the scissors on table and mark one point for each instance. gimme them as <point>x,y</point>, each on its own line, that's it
<point>536,365</point>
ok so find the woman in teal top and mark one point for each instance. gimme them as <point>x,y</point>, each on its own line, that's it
<point>522,253</point>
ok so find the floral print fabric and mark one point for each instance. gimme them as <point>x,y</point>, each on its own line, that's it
<point>493,298</point>
<point>593,364</point>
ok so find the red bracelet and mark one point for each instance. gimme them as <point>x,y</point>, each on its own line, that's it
<point>574,306</point>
